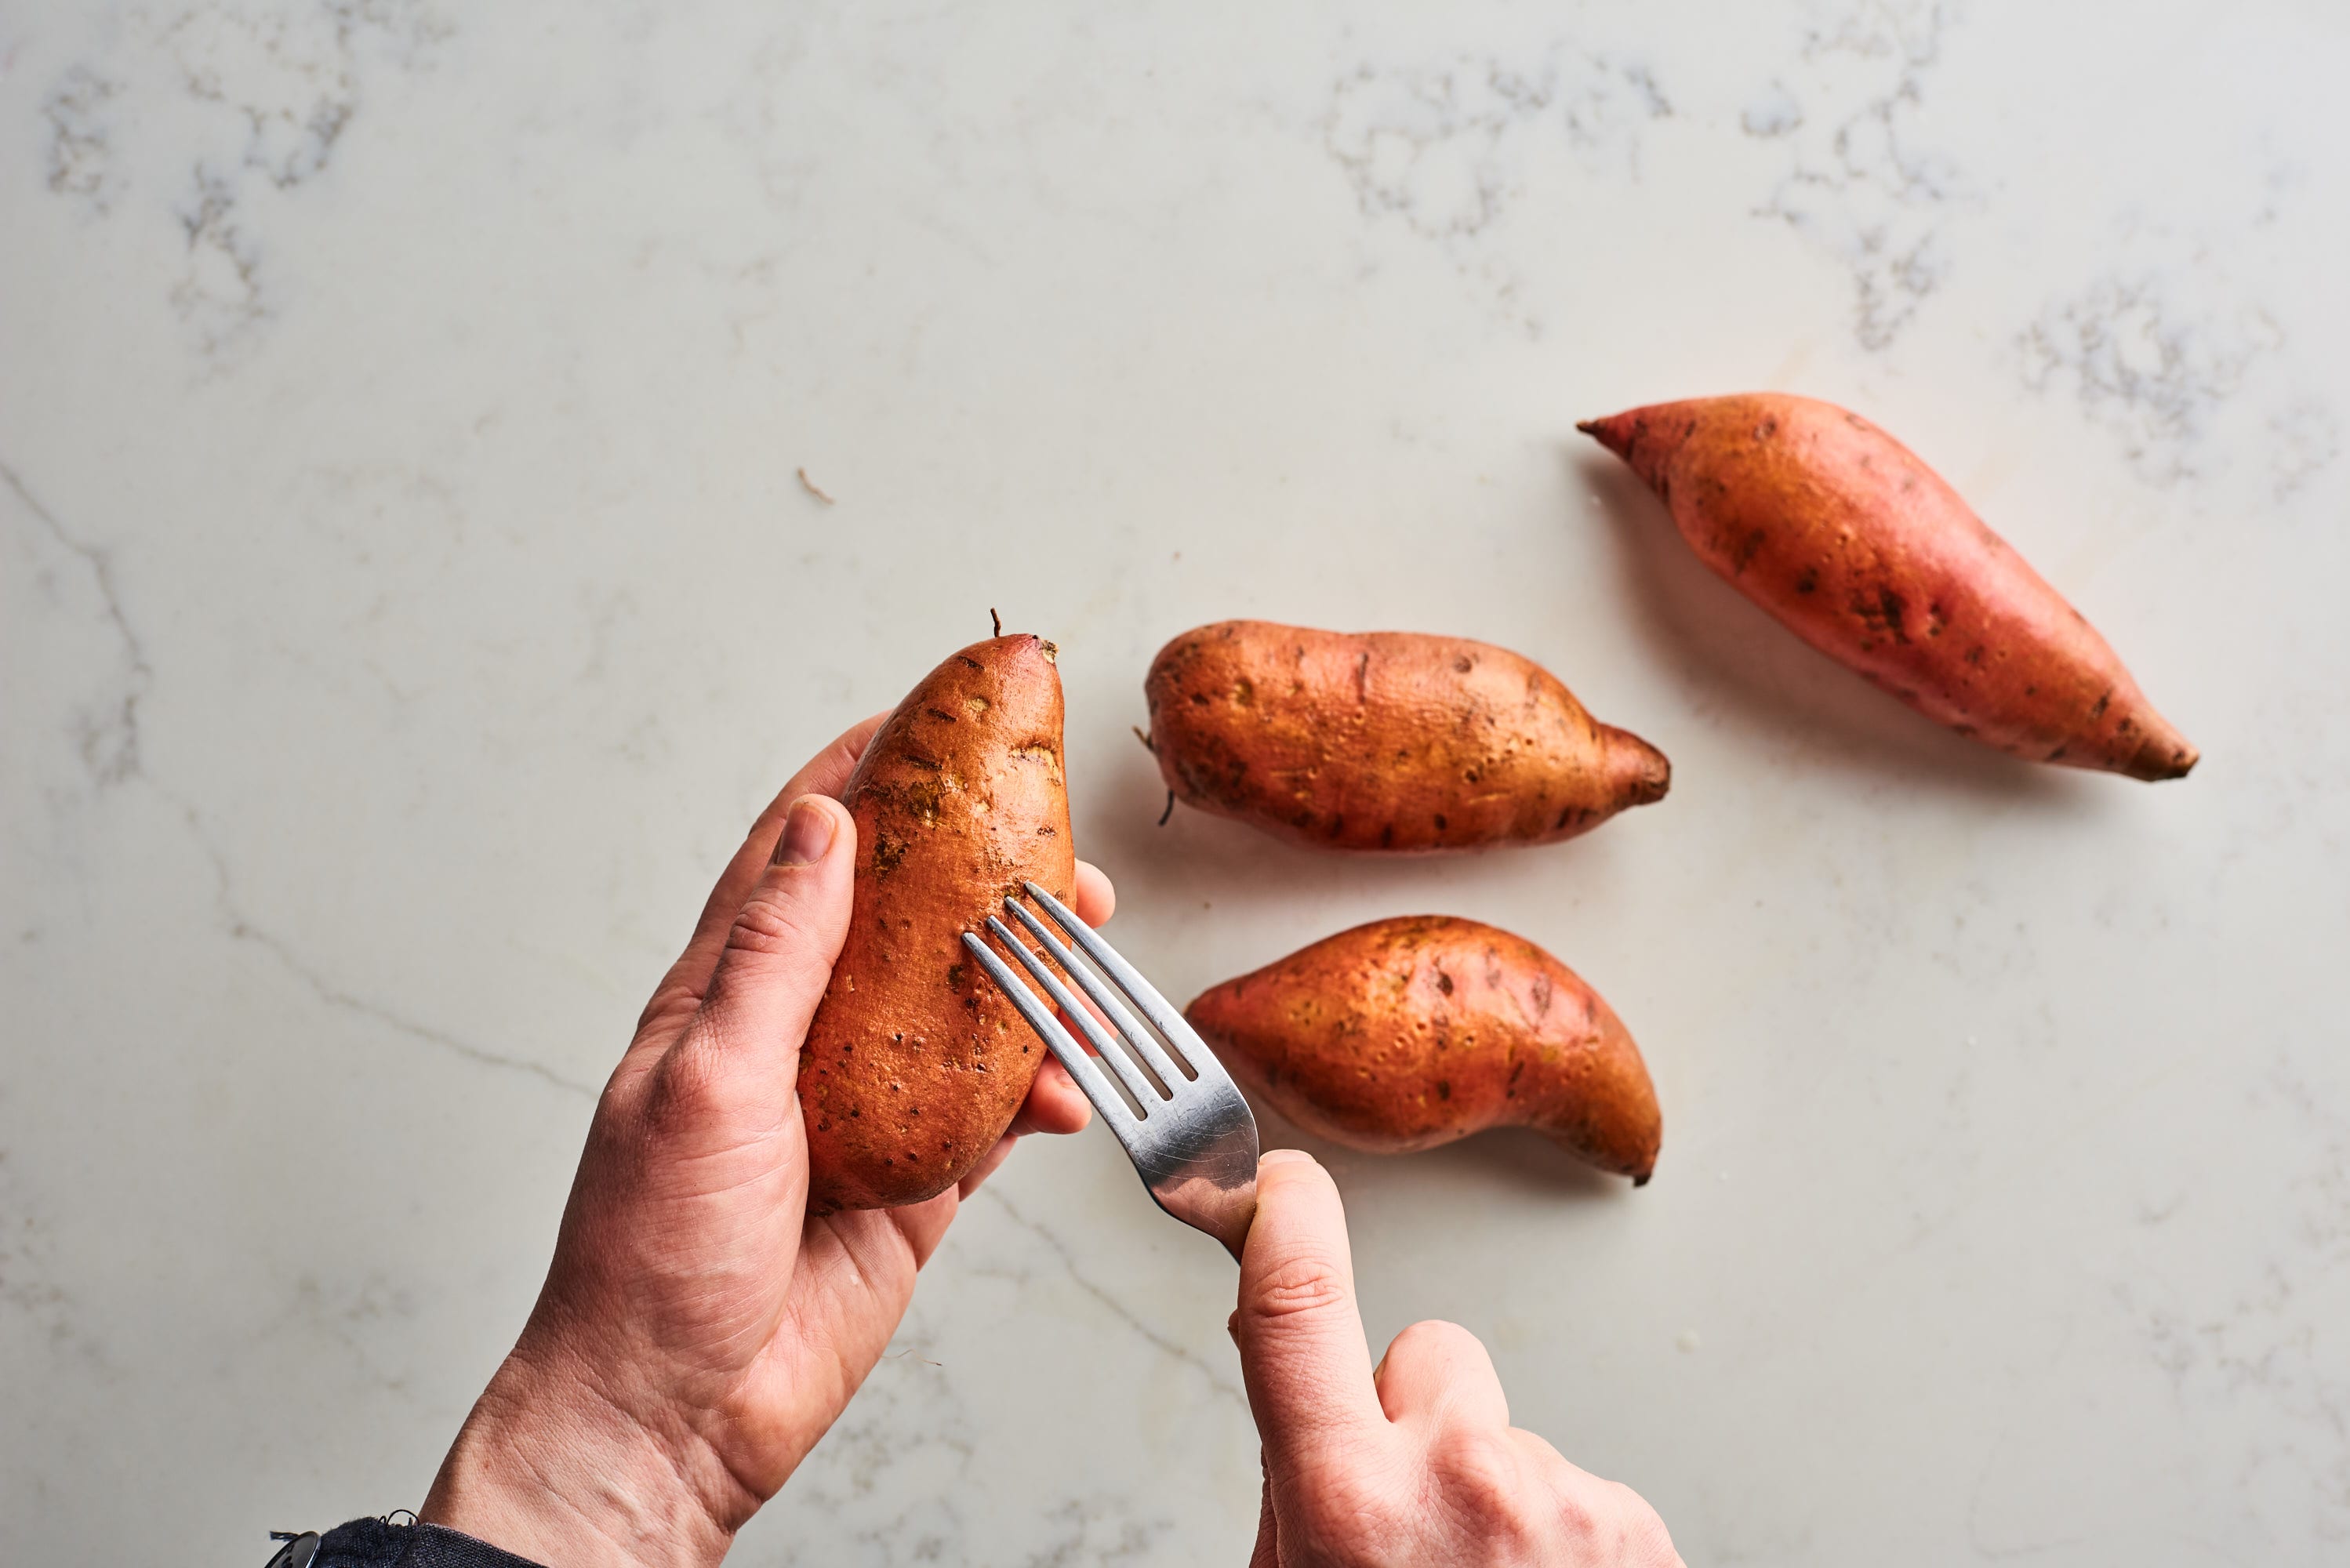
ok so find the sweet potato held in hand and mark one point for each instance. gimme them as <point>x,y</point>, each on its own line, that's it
<point>915,1063</point>
<point>1386,740</point>
<point>1865,553</point>
<point>1411,1033</point>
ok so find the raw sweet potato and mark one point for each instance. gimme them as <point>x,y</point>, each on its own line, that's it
<point>1411,1033</point>
<point>1863,551</point>
<point>915,1063</point>
<point>1386,740</point>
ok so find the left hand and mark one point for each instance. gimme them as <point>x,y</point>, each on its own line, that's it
<point>698,1331</point>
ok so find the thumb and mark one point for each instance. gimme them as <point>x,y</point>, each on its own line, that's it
<point>780,951</point>
<point>1301,1350</point>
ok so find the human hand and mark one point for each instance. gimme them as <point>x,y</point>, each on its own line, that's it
<point>699,1331</point>
<point>1413,1462</point>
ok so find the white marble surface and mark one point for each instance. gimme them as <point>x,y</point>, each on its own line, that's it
<point>408,596</point>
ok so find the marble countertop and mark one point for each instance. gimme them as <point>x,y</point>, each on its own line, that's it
<point>409,589</point>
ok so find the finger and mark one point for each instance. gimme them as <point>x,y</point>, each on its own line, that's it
<point>1095,900</point>
<point>923,1225</point>
<point>989,1164</point>
<point>1055,1103</point>
<point>1436,1374</point>
<point>778,954</point>
<point>1301,1353</point>
<point>827,772</point>
<point>679,991</point>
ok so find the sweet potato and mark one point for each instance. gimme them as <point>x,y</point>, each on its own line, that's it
<point>1861,550</point>
<point>915,1063</point>
<point>1411,1033</point>
<point>1386,740</point>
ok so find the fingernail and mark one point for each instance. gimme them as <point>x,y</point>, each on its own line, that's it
<point>1284,1157</point>
<point>807,834</point>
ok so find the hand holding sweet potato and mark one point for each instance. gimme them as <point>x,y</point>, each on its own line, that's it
<point>915,1063</point>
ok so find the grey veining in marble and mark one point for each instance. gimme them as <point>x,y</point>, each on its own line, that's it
<point>417,422</point>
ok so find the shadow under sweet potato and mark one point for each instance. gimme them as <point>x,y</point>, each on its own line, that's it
<point>1516,1159</point>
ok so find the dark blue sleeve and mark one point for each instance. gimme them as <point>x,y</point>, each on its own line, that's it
<point>379,1544</point>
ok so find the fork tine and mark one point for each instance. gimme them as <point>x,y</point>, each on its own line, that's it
<point>1135,1035</point>
<point>1197,1151</point>
<point>1098,1089</point>
<point>1145,1096</point>
<point>1071,1010</point>
<point>1179,1033</point>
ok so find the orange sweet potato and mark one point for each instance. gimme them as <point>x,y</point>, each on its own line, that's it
<point>1411,1033</point>
<point>1861,550</point>
<point>1386,740</point>
<point>916,1063</point>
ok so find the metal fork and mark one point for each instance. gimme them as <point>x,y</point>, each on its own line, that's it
<point>1186,1127</point>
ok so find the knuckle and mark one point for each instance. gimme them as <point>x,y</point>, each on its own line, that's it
<point>1300,1286</point>
<point>769,925</point>
<point>1482,1481</point>
<point>1609,1520</point>
<point>670,1007</point>
<point>1350,1517</point>
<point>773,941</point>
<point>1435,1339</point>
<point>1644,1541</point>
<point>1579,1517</point>
<point>682,1089</point>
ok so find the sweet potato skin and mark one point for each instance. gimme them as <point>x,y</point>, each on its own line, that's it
<point>1863,552</point>
<point>915,1063</point>
<point>1412,1032</point>
<point>1386,741</point>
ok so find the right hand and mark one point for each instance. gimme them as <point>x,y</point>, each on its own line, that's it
<point>1414,1462</point>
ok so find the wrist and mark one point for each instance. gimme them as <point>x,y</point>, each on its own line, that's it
<point>550,1468</point>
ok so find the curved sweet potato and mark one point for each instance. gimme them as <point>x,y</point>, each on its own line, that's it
<point>1410,1032</point>
<point>915,1063</point>
<point>1386,740</point>
<point>1861,550</point>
